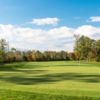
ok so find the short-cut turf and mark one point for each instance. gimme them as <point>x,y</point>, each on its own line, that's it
<point>59,79</point>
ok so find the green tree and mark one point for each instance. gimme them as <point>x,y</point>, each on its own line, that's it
<point>3,49</point>
<point>97,45</point>
<point>83,46</point>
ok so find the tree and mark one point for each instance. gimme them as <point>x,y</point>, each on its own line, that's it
<point>3,49</point>
<point>72,56</point>
<point>97,45</point>
<point>83,46</point>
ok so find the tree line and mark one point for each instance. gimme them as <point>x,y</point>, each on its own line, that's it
<point>85,49</point>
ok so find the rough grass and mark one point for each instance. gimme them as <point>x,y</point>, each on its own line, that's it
<point>18,95</point>
<point>63,80</point>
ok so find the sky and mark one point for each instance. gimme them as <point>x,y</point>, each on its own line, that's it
<point>48,24</point>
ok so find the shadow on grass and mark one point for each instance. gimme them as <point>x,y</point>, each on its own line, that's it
<point>45,78</point>
<point>20,67</point>
<point>50,78</point>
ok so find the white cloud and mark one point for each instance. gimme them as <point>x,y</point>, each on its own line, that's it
<point>94,19</point>
<point>60,38</point>
<point>45,21</point>
<point>87,30</point>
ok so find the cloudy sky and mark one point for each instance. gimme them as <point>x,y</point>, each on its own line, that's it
<point>48,24</point>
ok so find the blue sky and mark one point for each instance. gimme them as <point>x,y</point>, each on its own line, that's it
<point>70,15</point>
<point>72,12</point>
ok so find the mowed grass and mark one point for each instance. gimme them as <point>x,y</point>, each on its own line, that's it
<point>59,80</point>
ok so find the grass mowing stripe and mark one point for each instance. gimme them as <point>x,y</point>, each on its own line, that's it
<point>59,80</point>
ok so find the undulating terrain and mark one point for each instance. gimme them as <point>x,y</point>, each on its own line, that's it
<point>62,80</point>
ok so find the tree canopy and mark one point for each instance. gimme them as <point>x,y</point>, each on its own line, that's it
<point>85,49</point>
